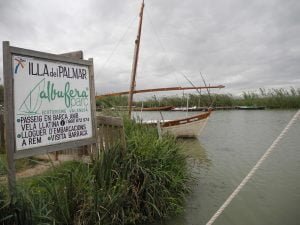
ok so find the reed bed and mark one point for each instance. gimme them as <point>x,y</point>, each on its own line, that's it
<point>147,182</point>
<point>272,98</point>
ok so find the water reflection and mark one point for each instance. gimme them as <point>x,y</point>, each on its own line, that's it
<point>195,152</point>
<point>229,147</point>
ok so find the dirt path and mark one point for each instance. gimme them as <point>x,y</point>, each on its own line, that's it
<point>44,166</point>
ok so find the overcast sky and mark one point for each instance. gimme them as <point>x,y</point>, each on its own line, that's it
<point>242,44</point>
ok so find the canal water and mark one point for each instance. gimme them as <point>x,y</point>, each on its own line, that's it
<point>228,148</point>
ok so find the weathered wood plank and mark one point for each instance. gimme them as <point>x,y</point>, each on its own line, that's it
<point>93,104</point>
<point>111,132</point>
<point>100,137</point>
<point>8,116</point>
<point>112,138</point>
<point>74,55</point>
<point>2,138</point>
<point>107,141</point>
<point>49,56</point>
<point>107,120</point>
<point>123,140</point>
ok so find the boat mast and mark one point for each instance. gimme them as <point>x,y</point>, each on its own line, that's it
<point>135,61</point>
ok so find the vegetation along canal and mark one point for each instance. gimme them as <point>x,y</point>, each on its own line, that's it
<point>228,148</point>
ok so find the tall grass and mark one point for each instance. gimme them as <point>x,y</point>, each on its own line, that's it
<point>272,98</point>
<point>146,183</point>
<point>112,101</point>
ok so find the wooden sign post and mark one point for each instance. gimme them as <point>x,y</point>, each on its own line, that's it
<point>49,104</point>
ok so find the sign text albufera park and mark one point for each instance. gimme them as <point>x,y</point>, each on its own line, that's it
<point>49,103</point>
<point>55,106</point>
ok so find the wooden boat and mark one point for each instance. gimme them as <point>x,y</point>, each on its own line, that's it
<point>162,108</point>
<point>251,107</point>
<point>186,127</point>
<point>189,127</point>
<point>190,109</point>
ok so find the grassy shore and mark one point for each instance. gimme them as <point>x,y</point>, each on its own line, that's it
<point>146,183</point>
<point>272,98</point>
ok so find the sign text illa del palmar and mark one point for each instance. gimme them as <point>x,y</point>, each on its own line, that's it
<point>52,102</point>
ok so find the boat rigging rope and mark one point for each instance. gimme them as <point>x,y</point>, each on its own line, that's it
<point>156,34</point>
<point>118,43</point>
<point>253,170</point>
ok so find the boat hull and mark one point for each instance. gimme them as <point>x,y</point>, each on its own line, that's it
<point>251,107</point>
<point>188,127</point>
<point>163,108</point>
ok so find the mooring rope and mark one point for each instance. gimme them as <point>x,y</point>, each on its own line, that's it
<point>253,170</point>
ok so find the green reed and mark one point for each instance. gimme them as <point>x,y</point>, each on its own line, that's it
<point>145,183</point>
<point>271,98</point>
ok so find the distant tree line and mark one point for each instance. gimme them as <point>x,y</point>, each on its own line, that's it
<point>271,98</point>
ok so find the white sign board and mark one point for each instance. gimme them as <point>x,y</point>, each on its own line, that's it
<point>51,101</point>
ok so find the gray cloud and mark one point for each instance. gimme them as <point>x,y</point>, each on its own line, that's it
<point>242,44</point>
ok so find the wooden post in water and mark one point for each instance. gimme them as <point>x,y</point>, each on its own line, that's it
<point>135,61</point>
